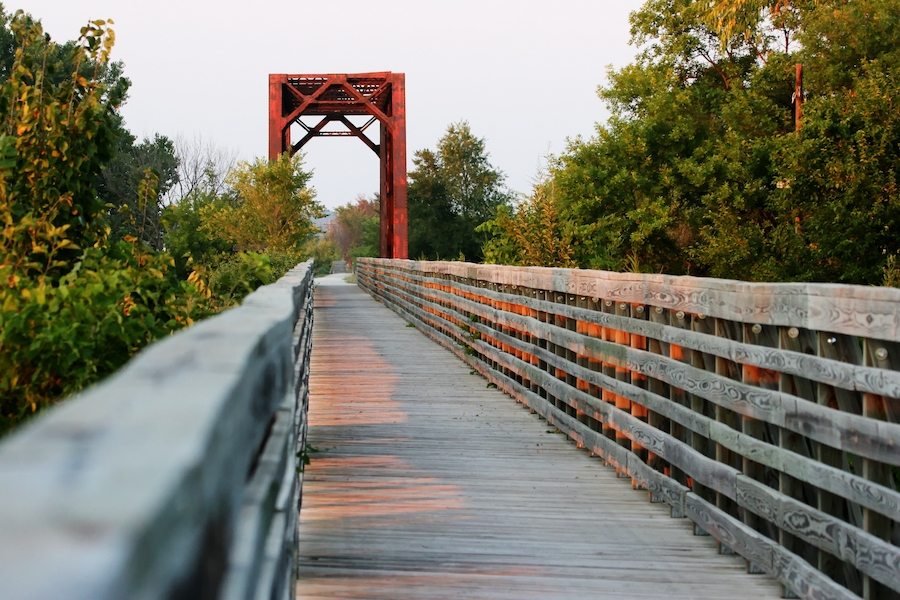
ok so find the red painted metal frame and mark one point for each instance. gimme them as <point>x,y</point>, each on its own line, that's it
<point>334,97</point>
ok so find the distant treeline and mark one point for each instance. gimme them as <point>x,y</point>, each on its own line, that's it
<point>702,168</point>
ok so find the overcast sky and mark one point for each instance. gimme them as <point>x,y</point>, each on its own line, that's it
<point>523,73</point>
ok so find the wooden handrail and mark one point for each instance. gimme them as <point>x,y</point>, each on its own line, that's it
<point>177,477</point>
<point>766,413</point>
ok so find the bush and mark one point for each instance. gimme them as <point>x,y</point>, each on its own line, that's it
<point>59,336</point>
<point>74,306</point>
<point>323,252</point>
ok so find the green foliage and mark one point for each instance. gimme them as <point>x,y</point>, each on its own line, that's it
<point>700,171</point>
<point>842,168</point>
<point>265,212</point>
<point>531,233</point>
<point>282,262</point>
<point>238,275</point>
<point>451,192</point>
<point>117,183</point>
<point>74,306</point>
<point>351,225</point>
<point>50,171</point>
<point>304,456</point>
<point>891,272</point>
<point>323,252</point>
<point>234,276</point>
<point>186,239</point>
<point>132,213</point>
<point>370,242</point>
<point>60,335</point>
<point>273,208</point>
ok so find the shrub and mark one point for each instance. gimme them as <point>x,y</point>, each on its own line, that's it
<point>74,306</point>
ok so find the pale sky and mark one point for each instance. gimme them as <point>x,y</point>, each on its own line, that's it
<point>524,73</point>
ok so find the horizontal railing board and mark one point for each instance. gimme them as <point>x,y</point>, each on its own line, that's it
<point>854,433</point>
<point>798,575</point>
<point>114,493</point>
<point>790,569</point>
<point>852,310</point>
<point>258,510</point>
<point>832,372</point>
<point>404,289</point>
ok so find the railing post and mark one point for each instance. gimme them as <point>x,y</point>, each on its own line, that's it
<point>885,355</point>
<point>732,402</point>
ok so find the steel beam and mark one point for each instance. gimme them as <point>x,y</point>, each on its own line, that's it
<point>382,96</point>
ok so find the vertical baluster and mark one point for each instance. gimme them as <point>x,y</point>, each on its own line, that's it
<point>680,321</point>
<point>658,314</point>
<point>571,354</point>
<point>623,338</point>
<point>620,371</point>
<point>474,319</point>
<point>846,349</point>
<point>761,335</point>
<point>797,340</point>
<point>494,324</point>
<point>699,405</point>
<point>543,317</point>
<point>535,340</point>
<point>560,350</point>
<point>522,335</point>
<point>884,355</point>
<point>639,342</point>
<point>582,327</point>
<point>726,368</point>
<point>594,363</point>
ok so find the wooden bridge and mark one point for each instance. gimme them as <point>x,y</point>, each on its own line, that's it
<point>427,484</point>
<point>595,435</point>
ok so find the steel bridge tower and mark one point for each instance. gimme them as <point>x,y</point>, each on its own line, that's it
<point>334,98</point>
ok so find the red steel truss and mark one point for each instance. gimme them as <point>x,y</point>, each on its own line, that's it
<point>379,96</point>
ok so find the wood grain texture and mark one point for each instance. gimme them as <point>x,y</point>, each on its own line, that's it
<point>175,477</point>
<point>429,485</point>
<point>841,374</point>
<point>614,454</point>
<point>710,365</point>
<point>851,310</point>
<point>852,433</point>
<point>717,522</point>
<point>853,487</point>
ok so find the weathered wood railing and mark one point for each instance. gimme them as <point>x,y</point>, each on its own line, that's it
<point>766,413</point>
<point>176,478</point>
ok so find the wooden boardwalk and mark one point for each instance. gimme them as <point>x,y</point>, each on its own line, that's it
<point>429,485</point>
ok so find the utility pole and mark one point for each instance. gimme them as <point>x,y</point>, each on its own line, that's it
<point>798,95</point>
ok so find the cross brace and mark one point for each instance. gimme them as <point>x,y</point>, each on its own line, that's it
<point>335,97</point>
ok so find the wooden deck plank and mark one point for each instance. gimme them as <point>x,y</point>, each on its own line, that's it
<point>429,485</point>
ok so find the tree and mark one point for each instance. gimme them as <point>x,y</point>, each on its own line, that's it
<point>451,192</point>
<point>272,209</point>
<point>126,164</point>
<point>203,167</point>
<point>701,169</point>
<point>130,214</point>
<point>199,185</point>
<point>370,242</point>
<point>531,232</point>
<point>840,171</point>
<point>75,304</point>
<point>347,229</point>
<point>185,238</point>
<point>323,252</point>
<point>748,18</point>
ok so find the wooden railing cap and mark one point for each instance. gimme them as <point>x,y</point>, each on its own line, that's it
<point>848,309</point>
